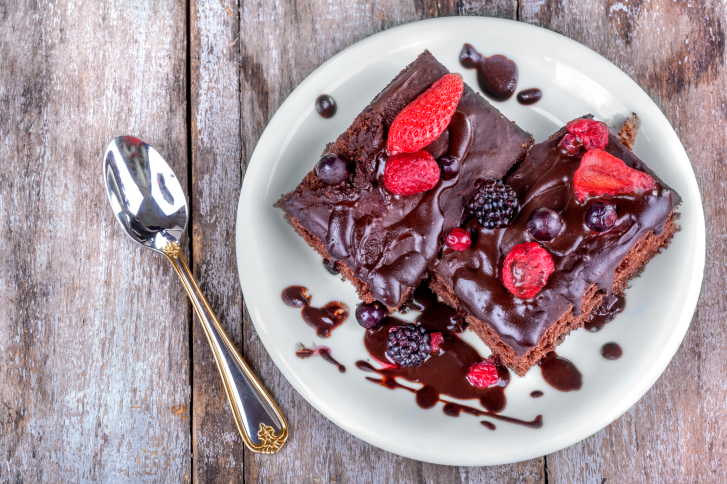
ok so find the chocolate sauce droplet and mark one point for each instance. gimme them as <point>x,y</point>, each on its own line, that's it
<point>529,96</point>
<point>560,373</point>
<point>611,351</point>
<point>536,394</point>
<point>326,106</point>
<point>322,351</point>
<point>489,425</point>
<point>324,320</point>
<point>496,75</point>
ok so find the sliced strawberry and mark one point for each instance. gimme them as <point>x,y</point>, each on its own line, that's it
<point>526,269</point>
<point>410,173</point>
<point>426,117</point>
<point>601,173</point>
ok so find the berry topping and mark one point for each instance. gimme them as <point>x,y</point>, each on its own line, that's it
<point>437,340</point>
<point>450,166</point>
<point>483,374</point>
<point>544,223</point>
<point>601,216</point>
<point>331,169</point>
<point>326,106</point>
<point>601,173</point>
<point>590,133</point>
<point>494,204</point>
<point>526,269</point>
<point>571,144</point>
<point>458,239</point>
<point>408,345</point>
<point>426,117</point>
<point>370,315</point>
<point>410,173</point>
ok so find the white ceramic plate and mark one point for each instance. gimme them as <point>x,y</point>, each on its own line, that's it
<point>270,256</point>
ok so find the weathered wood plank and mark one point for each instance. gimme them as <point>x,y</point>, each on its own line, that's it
<point>676,51</point>
<point>216,182</point>
<point>280,45</point>
<point>94,350</point>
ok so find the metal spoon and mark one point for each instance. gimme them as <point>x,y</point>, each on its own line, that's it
<point>149,204</point>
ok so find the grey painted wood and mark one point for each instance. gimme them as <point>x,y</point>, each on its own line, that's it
<point>676,52</point>
<point>93,330</point>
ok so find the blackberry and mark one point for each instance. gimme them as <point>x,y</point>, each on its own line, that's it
<point>494,204</point>
<point>409,345</point>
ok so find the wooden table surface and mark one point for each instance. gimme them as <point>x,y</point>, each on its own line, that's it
<point>104,372</point>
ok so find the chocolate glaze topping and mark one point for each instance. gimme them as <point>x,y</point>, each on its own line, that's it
<point>391,242</point>
<point>443,373</point>
<point>529,96</point>
<point>322,351</point>
<point>609,309</point>
<point>323,320</point>
<point>611,351</point>
<point>582,257</point>
<point>496,75</point>
<point>560,373</point>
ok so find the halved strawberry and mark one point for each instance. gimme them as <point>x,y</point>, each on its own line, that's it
<point>601,173</point>
<point>426,117</point>
<point>410,173</point>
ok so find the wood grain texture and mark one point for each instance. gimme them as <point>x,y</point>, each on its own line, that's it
<point>281,45</point>
<point>676,51</point>
<point>93,329</point>
<point>216,182</point>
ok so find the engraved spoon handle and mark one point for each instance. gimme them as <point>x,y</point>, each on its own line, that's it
<point>258,419</point>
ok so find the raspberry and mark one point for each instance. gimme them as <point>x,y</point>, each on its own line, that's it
<point>601,173</point>
<point>526,269</point>
<point>410,173</point>
<point>483,374</point>
<point>408,344</point>
<point>437,340</point>
<point>571,144</point>
<point>458,239</point>
<point>591,133</point>
<point>494,204</point>
<point>426,117</point>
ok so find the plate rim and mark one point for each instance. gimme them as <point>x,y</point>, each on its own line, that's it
<point>683,319</point>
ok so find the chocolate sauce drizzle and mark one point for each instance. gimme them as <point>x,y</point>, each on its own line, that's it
<point>496,75</point>
<point>324,320</point>
<point>611,351</point>
<point>529,96</point>
<point>610,307</point>
<point>536,394</point>
<point>560,373</point>
<point>322,351</point>
<point>444,373</point>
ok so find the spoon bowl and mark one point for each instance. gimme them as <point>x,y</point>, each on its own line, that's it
<point>144,193</point>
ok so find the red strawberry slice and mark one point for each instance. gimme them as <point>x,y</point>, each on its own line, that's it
<point>526,269</point>
<point>410,173</point>
<point>426,117</point>
<point>601,173</point>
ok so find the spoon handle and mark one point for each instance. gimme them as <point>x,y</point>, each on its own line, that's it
<point>258,419</point>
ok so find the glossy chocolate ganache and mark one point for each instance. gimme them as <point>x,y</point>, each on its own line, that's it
<point>444,373</point>
<point>581,256</point>
<point>388,242</point>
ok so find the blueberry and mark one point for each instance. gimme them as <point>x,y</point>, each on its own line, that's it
<point>326,106</point>
<point>370,315</point>
<point>331,169</point>
<point>449,166</point>
<point>544,223</point>
<point>601,216</point>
